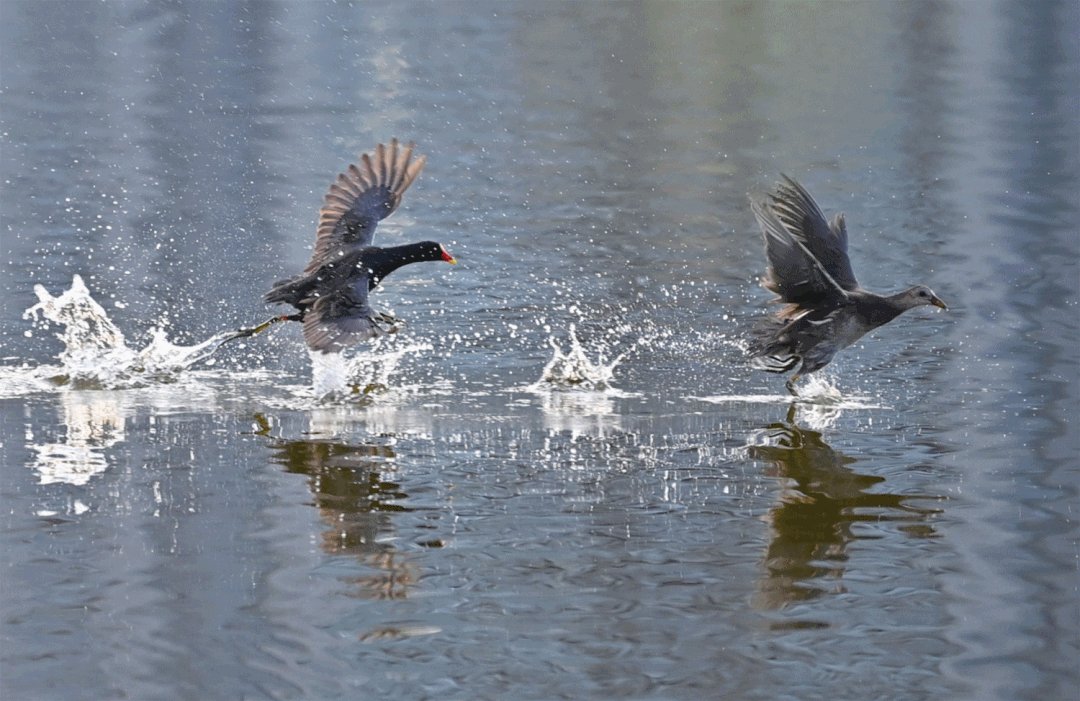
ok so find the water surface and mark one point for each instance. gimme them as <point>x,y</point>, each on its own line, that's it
<point>676,530</point>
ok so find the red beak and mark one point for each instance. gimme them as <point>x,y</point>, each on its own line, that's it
<point>447,257</point>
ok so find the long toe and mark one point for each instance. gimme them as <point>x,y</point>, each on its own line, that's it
<point>790,384</point>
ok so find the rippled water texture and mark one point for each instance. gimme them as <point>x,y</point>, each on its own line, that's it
<point>559,479</point>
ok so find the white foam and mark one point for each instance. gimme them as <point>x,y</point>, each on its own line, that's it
<point>96,353</point>
<point>574,369</point>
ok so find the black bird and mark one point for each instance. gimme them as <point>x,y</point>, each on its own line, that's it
<point>331,295</point>
<point>824,309</point>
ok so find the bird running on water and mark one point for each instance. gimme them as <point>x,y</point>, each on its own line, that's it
<point>331,295</point>
<point>824,308</point>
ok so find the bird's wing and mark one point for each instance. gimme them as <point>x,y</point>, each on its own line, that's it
<point>793,273</point>
<point>804,220</point>
<point>360,197</point>
<point>340,319</point>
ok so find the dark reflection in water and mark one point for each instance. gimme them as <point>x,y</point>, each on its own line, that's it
<point>812,520</point>
<point>354,501</point>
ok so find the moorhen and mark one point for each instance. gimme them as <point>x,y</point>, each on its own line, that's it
<point>824,309</point>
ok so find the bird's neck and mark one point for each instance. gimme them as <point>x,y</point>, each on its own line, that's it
<point>383,261</point>
<point>894,306</point>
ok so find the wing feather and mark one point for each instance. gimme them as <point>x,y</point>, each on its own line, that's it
<point>827,242</point>
<point>360,197</point>
<point>793,273</point>
<point>340,319</point>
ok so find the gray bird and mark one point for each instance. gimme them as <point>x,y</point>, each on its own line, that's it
<point>824,309</point>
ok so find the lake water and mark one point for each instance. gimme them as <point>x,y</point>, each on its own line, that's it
<point>677,529</point>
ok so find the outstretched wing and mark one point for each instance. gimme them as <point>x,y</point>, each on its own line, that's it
<point>360,197</point>
<point>793,273</point>
<point>804,220</point>
<point>340,319</point>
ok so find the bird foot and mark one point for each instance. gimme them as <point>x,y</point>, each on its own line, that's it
<point>388,322</point>
<point>370,388</point>
<point>790,384</point>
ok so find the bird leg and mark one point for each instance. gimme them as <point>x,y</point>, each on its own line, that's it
<point>251,331</point>
<point>393,324</point>
<point>790,384</point>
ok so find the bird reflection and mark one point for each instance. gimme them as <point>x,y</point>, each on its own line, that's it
<point>355,502</point>
<point>812,520</point>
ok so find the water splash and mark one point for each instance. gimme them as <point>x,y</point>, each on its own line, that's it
<point>97,356</point>
<point>821,390</point>
<point>574,369</point>
<point>329,375</point>
<point>336,376</point>
<point>576,392</point>
<point>820,398</point>
<point>372,370</point>
<point>95,350</point>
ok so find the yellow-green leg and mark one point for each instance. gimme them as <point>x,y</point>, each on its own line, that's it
<point>245,333</point>
<point>790,384</point>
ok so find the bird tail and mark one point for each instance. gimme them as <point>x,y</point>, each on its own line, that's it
<point>290,291</point>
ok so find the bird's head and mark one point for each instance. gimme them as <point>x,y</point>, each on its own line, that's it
<point>919,295</point>
<point>432,250</point>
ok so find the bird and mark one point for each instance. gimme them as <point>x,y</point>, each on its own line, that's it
<point>824,308</point>
<point>331,294</point>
